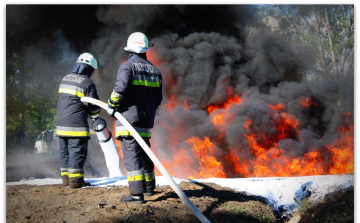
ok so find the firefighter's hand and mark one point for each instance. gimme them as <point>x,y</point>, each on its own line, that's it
<point>111,109</point>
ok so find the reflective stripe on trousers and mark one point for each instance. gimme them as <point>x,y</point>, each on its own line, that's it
<point>140,168</point>
<point>73,152</point>
<point>64,171</point>
<point>149,176</point>
<point>140,175</point>
<point>136,175</point>
<point>76,173</point>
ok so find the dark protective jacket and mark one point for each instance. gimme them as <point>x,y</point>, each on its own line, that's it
<point>138,89</point>
<point>72,114</point>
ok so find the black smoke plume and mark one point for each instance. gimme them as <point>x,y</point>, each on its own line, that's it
<point>207,55</point>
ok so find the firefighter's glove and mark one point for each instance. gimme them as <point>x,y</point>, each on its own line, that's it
<point>113,103</point>
<point>98,124</point>
<point>94,117</point>
<point>111,109</point>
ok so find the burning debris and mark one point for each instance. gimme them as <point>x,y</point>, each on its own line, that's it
<point>237,108</point>
<point>214,122</point>
<point>235,105</point>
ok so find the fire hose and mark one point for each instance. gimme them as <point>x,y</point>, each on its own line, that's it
<point>152,156</point>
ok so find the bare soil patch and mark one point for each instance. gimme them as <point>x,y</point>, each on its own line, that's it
<point>56,203</point>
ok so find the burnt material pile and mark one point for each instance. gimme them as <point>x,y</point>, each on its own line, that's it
<point>236,102</point>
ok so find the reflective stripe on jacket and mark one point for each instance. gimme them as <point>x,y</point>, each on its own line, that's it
<point>138,93</point>
<point>72,131</point>
<point>72,114</point>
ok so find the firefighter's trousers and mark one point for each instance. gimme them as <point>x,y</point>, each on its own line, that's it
<point>140,168</point>
<point>73,152</point>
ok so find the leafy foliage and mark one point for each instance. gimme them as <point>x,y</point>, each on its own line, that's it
<point>324,34</point>
<point>33,73</point>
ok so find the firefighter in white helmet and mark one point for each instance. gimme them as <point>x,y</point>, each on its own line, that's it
<point>71,124</point>
<point>136,95</point>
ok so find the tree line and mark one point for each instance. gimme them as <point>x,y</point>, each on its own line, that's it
<point>33,73</point>
<point>325,34</point>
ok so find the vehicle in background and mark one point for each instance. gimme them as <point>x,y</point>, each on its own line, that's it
<point>47,142</point>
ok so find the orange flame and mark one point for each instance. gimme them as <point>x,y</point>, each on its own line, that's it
<point>267,159</point>
<point>272,162</point>
<point>232,99</point>
<point>117,142</point>
<point>122,61</point>
<point>277,108</point>
<point>220,113</point>
<point>205,151</point>
<point>153,58</point>
<point>172,102</point>
<point>343,149</point>
<point>258,155</point>
<point>306,103</point>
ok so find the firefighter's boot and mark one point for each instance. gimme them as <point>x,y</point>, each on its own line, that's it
<point>133,199</point>
<point>65,180</point>
<point>150,193</point>
<point>77,182</point>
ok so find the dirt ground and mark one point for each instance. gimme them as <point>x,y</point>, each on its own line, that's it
<point>57,203</point>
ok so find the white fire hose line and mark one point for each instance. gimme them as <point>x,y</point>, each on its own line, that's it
<point>152,156</point>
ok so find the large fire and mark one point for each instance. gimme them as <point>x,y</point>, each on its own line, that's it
<point>259,154</point>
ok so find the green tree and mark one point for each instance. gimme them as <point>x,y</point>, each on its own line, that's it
<point>33,73</point>
<point>325,34</point>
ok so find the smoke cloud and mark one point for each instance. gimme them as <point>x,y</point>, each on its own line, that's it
<point>207,57</point>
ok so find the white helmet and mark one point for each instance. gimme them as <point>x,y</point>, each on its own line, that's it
<point>137,43</point>
<point>87,58</point>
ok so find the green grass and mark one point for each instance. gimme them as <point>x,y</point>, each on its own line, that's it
<point>249,209</point>
<point>305,205</point>
<point>336,218</point>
